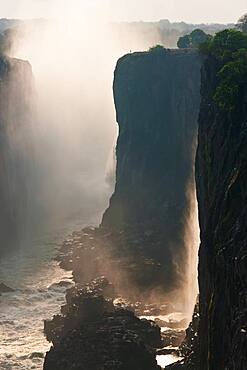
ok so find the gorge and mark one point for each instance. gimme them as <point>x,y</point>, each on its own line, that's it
<point>221,195</point>
<point>133,286</point>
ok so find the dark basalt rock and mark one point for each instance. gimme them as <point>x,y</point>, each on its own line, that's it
<point>189,348</point>
<point>157,98</point>
<point>92,334</point>
<point>221,171</point>
<point>102,349</point>
<point>123,257</point>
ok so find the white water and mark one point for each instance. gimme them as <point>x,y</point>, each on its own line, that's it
<point>33,274</point>
<point>165,360</point>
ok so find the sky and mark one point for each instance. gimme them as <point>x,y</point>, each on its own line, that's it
<point>193,11</point>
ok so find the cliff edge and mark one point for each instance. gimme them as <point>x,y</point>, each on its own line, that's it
<point>157,99</point>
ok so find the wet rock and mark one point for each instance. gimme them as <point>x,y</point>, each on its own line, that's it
<point>36,355</point>
<point>101,348</point>
<point>172,324</point>
<point>173,338</point>
<point>167,351</point>
<point>189,348</point>
<point>5,289</point>
<point>92,334</point>
<point>61,284</point>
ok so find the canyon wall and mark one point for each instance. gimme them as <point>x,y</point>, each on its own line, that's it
<point>222,195</point>
<point>157,99</point>
<point>16,85</point>
<point>141,243</point>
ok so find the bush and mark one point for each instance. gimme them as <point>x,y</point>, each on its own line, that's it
<point>156,49</point>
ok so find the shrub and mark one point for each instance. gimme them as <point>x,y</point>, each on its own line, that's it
<point>156,49</point>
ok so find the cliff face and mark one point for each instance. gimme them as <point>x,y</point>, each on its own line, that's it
<point>222,195</point>
<point>157,98</point>
<point>15,146</point>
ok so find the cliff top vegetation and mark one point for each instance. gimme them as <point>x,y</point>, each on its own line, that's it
<point>157,49</point>
<point>229,48</point>
<point>193,40</point>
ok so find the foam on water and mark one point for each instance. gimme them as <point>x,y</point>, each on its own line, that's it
<point>33,274</point>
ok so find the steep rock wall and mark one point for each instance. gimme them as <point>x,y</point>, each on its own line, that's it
<point>221,167</point>
<point>157,98</point>
<point>16,87</point>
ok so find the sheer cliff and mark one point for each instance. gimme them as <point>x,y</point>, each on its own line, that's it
<point>140,243</point>
<point>222,194</point>
<point>16,84</point>
<point>157,98</point>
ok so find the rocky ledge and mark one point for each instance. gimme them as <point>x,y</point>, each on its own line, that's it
<point>93,334</point>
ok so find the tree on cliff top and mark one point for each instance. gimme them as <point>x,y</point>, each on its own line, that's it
<point>193,40</point>
<point>242,23</point>
<point>225,43</point>
<point>229,47</point>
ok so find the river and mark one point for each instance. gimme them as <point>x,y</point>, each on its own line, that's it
<point>34,275</point>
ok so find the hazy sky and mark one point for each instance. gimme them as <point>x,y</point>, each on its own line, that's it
<point>188,10</point>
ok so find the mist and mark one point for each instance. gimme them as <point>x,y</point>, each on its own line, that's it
<point>74,130</point>
<point>73,61</point>
<point>126,10</point>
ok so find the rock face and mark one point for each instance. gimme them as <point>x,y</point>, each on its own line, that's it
<point>120,256</point>
<point>222,194</point>
<point>16,84</point>
<point>142,233</point>
<point>92,334</point>
<point>157,98</point>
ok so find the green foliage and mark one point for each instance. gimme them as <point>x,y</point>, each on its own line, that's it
<point>184,42</point>
<point>193,40</point>
<point>232,77</point>
<point>225,43</point>
<point>156,49</point>
<point>230,48</point>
